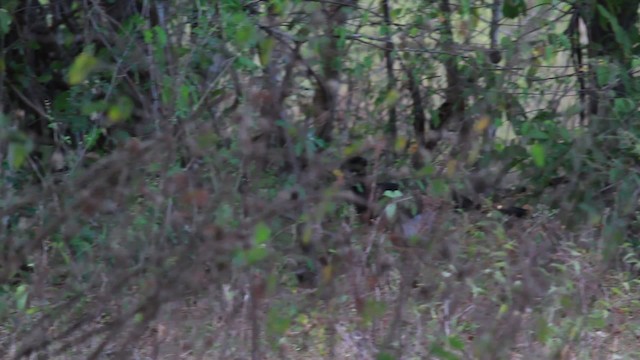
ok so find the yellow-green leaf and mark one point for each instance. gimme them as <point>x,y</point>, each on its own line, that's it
<point>262,233</point>
<point>18,153</point>
<point>121,110</point>
<point>503,309</point>
<point>255,255</point>
<point>265,48</point>
<point>401,143</point>
<point>538,155</point>
<point>81,68</point>
<point>481,124</point>
<point>245,33</point>
<point>138,318</point>
<point>392,97</point>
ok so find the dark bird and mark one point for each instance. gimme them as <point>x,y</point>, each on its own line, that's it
<point>356,169</point>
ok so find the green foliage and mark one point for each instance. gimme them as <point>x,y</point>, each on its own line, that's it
<point>279,320</point>
<point>513,8</point>
<point>262,234</point>
<point>621,35</point>
<point>384,356</point>
<point>193,159</point>
<point>373,310</point>
<point>538,154</point>
<point>265,48</point>
<point>18,149</point>
<point>21,297</point>
<point>83,65</point>
<point>441,353</point>
<point>5,21</point>
<point>121,110</point>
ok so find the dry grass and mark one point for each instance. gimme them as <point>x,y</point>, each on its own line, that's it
<point>473,288</point>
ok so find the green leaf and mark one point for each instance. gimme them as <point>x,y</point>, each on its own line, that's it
<point>538,154</point>
<point>138,318</point>
<point>82,66</point>
<point>184,94</point>
<point>549,53</point>
<point>18,152</point>
<point>255,255</point>
<point>513,8</point>
<point>390,210</point>
<point>91,107</point>
<point>438,186</point>
<point>392,194</point>
<point>245,33</point>
<point>92,137</point>
<point>341,32</point>
<point>45,78</point>
<point>621,35</point>
<point>456,343</point>
<point>262,233</point>
<point>5,21</point>
<point>33,310</point>
<point>147,36</point>
<point>121,110</point>
<point>623,106</point>
<point>602,75</point>
<point>503,309</point>
<point>373,309</point>
<point>384,356</point>
<point>441,353</point>
<point>391,97</point>
<point>597,321</point>
<point>277,324</point>
<point>395,13</point>
<point>244,62</point>
<point>22,296</point>
<point>465,9</point>
<point>537,134</point>
<point>543,330</point>
<point>161,36</point>
<point>265,48</point>
<point>277,7</point>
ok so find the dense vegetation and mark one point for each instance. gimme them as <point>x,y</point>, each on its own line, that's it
<point>296,179</point>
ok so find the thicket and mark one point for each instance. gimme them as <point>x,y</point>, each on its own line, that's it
<point>178,179</point>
